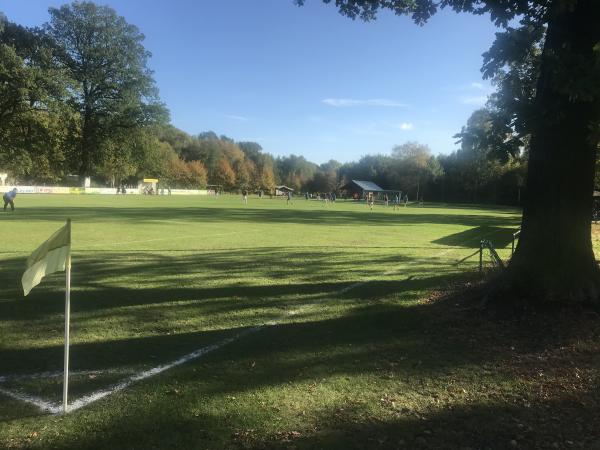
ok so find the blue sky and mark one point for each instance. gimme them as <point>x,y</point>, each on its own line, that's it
<point>306,80</point>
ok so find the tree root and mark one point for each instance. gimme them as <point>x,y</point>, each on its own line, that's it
<point>513,294</point>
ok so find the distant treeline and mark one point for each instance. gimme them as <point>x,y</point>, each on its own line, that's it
<point>77,98</point>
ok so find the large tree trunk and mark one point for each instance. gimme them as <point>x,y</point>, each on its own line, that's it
<point>84,155</point>
<point>87,130</point>
<point>554,260</point>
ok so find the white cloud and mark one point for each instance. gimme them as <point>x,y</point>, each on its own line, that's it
<point>234,117</point>
<point>406,126</point>
<point>348,102</point>
<point>479,86</point>
<point>478,100</point>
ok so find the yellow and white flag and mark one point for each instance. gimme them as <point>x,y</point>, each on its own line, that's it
<point>48,258</point>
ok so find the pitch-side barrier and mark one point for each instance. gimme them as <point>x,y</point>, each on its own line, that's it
<point>102,191</point>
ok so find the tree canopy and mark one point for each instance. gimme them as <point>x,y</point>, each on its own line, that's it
<point>49,75</point>
<point>111,86</point>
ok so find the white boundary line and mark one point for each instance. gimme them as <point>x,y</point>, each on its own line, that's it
<point>55,408</point>
<point>43,405</point>
<point>95,396</point>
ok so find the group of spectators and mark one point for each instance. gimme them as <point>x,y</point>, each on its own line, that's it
<point>149,190</point>
<point>326,197</point>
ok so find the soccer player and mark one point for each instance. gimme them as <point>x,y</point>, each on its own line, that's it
<point>9,199</point>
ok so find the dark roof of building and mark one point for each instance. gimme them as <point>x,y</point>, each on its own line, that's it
<point>365,186</point>
<point>284,188</point>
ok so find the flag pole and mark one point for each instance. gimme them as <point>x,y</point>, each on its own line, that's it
<point>67,324</point>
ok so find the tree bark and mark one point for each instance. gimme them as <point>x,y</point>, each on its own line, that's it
<point>85,162</point>
<point>554,260</point>
<point>87,127</point>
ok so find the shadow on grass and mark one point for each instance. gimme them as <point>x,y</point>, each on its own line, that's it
<point>413,345</point>
<point>422,340</point>
<point>217,281</point>
<point>500,237</point>
<point>157,308</point>
<point>168,343</point>
<point>12,410</point>
<point>558,422</point>
<point>139,215</point>
<point>477,426</point>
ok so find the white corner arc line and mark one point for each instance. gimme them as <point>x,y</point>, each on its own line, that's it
<point>54,408</point>
<point>95,396</point>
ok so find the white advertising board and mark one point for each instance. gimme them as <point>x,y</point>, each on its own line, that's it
<point>94,190</point>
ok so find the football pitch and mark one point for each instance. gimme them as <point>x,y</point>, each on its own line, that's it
<point>201,322</point>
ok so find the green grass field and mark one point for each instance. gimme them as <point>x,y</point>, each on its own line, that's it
<point>353,351</point>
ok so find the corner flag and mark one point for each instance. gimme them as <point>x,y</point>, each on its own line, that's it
<point>48,258</point>
<point>54,255</point>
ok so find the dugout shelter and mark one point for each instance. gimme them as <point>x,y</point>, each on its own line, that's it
<point>283,190</point>
<point>359,190</point>
<point>149,186</point>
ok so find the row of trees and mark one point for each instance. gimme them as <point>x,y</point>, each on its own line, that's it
<point>77,97</point>
<point>470,174</point>
<point>473,173</point>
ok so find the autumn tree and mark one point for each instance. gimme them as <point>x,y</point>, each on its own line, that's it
<point>178,173</point>
<point>198,175</point>
<point>224,174</point>
<point>267,177</point>
<point>246,174</point>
